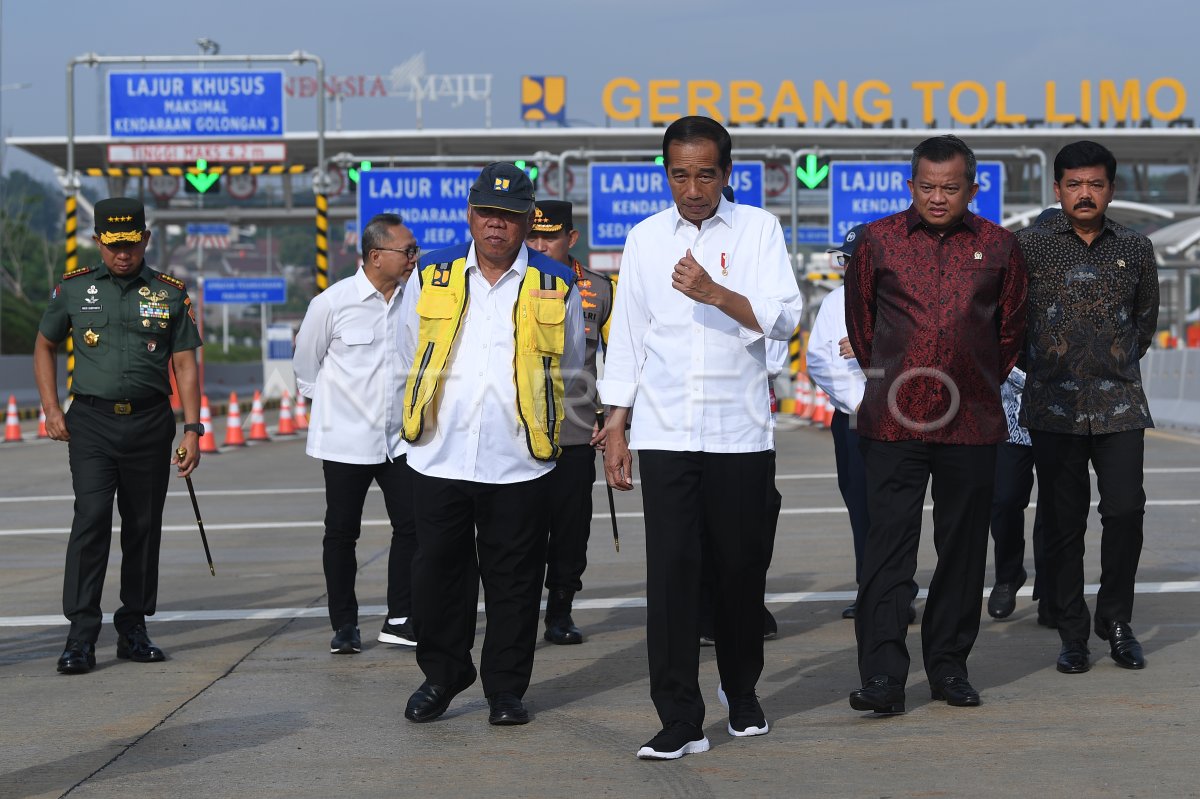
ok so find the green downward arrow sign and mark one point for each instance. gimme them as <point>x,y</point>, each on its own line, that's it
<point>810,174</point>
<point>201,179</point>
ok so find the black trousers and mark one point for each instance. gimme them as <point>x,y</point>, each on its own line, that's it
<point>467,531</point>
<point>129,457</point>
<point>346,486</point>
<point>1014,484</point>
<point>1064,488</point>
<point>898,473</point>
<point>697,502</point>
<point>570,517</point>
<point>852,483</point>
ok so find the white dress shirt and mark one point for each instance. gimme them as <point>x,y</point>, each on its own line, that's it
<point>842,379</point>
<point>477,435</point>
<point>695,378</point>
<point>347,360</point>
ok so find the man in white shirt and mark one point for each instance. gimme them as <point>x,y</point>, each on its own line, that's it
<point>491,335</point>
<point>347,361</point>
<point>833,367</point>
<point>703,284</point>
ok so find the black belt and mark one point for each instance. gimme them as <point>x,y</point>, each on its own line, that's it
<point>122,407</point>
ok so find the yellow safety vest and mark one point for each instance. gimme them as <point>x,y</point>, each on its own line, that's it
<point>539,321</point>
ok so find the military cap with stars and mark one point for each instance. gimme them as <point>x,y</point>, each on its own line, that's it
<point>120,219</point>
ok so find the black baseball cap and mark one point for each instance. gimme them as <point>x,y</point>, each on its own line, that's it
<point>120,219</point>
<point>551,216</point>
<point>853,235</point>
<point>502,185</point>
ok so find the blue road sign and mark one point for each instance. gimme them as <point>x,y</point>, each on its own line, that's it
<point>432,202</point>
<point>195,105</point>
<point>208,229</point>
<point>861,192</point>
<point>809,235</point>
<point>623,194</point>
<point>245,290</point>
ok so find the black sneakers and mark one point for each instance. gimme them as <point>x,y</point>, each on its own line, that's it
<point>346,641</point>
<point>746,716</point>
<point>398,634</point>
<point>675,741</point>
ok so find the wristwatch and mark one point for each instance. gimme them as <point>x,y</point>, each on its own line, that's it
<point>194,427</point>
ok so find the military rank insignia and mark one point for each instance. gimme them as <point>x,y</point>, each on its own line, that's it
<point>154,310</point>
<point>171,281</point>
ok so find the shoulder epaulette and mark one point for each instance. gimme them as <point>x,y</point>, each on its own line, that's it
<point>170,281</point>
<point>83,270</point>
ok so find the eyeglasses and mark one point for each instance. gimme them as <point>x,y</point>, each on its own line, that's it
<point>842,260</point>
<point>1076,185</point>
<point>411,251</point>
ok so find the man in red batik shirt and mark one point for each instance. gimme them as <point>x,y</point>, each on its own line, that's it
<point>935,311</point>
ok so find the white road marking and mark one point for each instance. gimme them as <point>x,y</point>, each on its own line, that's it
<point>610,603</point>
<point>266,492</point>
<point>309,523</point>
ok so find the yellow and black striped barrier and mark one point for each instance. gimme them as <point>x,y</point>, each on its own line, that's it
<point>816,276</point>
<point>71,227</point>
<point>322,242</point>
<point>180,171</point>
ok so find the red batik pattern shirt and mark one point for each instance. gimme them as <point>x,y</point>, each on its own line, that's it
<point>936,323</point>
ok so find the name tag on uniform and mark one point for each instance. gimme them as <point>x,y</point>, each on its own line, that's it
<point>154,310</point>
<point>92,308</point>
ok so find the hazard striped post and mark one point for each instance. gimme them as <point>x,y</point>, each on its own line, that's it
<point>70,227</point>
<point>322,242</point>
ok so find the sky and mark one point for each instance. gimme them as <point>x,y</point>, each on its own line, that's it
<point>1023,43</point>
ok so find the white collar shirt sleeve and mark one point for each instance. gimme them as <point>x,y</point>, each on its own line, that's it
<point>347,360</point>
<point>477,435</point>
<point>696,378</point>
<point>840,378</point>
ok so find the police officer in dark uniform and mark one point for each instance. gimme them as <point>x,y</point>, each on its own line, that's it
<point>128,323</point>
<point>554,235</point>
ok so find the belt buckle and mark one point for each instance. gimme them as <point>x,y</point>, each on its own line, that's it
<point>123,408</point>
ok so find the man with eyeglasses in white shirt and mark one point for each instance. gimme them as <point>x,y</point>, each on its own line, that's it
<point>348,362</point>
<point>704,283</point>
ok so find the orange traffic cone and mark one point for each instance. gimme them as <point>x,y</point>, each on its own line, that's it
<point>12,425</point>
<point>301,412</point>
<point>233,424</point>
<point>829,409</point>
<point>258,426</point>
<point>804,397</point>
<point>287,427</point>
<point>820,415</point>
<point>42,423</point>
<point>208,441</point>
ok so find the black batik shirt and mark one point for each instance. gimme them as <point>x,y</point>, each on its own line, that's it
<point>1093,310</point>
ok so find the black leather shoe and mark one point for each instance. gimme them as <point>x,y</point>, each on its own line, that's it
<point>850,610</point>
<point>956,691</point>
<point>562,630</point>
<point>1073,659</point>
<point>78,657</point>
<point>1123,647</point>
<point>136,645</point>
<point>507,710</point>
<point>881,694</point>
<point>430,701</point>
<point>1003,599</point>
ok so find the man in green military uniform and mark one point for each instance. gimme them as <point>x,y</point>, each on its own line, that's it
<point>128,323</point>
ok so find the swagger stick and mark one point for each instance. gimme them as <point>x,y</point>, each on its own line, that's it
<point>182,453</point>
<point>612,507</point>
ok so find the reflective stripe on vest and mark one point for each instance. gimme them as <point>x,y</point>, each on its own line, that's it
<point>539,324</point>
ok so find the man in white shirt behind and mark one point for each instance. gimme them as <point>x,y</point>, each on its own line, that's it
<point>703,284</point>
<point>492,335</point>
<point>348,362</point>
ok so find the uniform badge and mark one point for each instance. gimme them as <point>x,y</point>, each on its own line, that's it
<point>441,276</point>
<point>91,337</point>
<point>92,291</point>
<point>160,295</point>
<point>162,324</point>
<point>54,294</point>
<point>724,265</point>
<point>145,323</point>
<point>144,291</point>
<point>1120,262</point>
<point>978,256</point>
<point>151,345</point>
